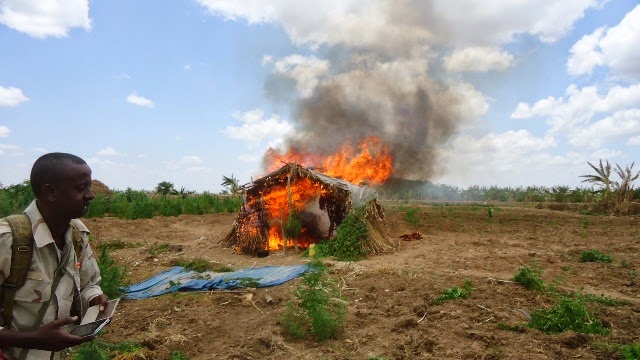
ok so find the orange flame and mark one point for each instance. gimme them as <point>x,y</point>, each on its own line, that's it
<point>276,208</point>
<point>370,163</point>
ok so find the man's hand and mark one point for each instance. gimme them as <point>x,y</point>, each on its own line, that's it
<point>51,337</point>
<point>101,300</point>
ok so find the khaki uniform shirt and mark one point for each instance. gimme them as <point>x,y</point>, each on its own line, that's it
<point>37,288</point>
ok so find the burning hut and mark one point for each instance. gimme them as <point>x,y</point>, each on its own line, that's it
<point>320,202</point>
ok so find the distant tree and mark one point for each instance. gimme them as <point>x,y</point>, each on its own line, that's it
<point>165,188</point>
<point>601,178</point>
<point>231,185</point>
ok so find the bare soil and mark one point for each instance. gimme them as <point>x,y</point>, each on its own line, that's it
<point>389,313</point>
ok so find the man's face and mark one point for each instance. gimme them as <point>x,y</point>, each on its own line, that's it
<point>73,193</point>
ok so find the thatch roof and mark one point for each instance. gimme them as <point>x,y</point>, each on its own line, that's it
<point>337,198</point>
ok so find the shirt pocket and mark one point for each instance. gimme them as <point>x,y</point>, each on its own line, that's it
<point>34,291</point>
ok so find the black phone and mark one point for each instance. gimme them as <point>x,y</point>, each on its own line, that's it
<point>90,329</point>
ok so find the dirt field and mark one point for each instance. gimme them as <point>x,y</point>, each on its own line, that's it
<point>389,312</point>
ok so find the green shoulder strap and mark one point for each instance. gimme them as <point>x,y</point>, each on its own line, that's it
<point>21,253</point>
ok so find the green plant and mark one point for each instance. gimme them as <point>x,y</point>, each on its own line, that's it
<point>604,300</point>
<point>113,275</point>
<point>197,265</point>
<point>594,256</point>
<point>625,264</point>
<point>585,223</point>
<point>411,216</point>
<point>348,245</point>
<point>157,249</point>
<point>530,277</point>
<point>570,313</point>
<point>319,309</point>
<point>630,352</point>
<point>293,226</point>
<point>178,355</point>
<point>245,282</point>
<point>454,293</point>
<point>115,244</point>
<point>489,212</point>
<point>100,350</point>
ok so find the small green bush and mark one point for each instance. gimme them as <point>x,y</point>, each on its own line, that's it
<point>348,245</point>
<point>411,216</point>
<point>530,277</point>
<point>100,350</point>
<point>319,309</point>
<point>178,355</point>
<point>569,314</point>
<point>454,293</point>
<point>113,276</point>
<point>630,352</point>
<point>594,256</point>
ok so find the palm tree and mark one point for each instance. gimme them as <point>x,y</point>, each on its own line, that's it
<point>601,178</point>
<point>231,183</point>
<point>624,188</point>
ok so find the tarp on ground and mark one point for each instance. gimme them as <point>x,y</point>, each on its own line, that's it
<point>181,279</point>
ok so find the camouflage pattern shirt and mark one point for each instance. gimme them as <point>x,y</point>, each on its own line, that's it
<point>82,274</point>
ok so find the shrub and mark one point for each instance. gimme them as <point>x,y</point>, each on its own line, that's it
<point>454,293</point>
<point>411,216</point>
<point>569,314</point>
<point>594,256</point>
<point>348,245</point>
<point>319,309</point>
<point>178,355</point>
<point>530,277</point>
<point>113,276</point>
<point>100,350</point>
<point>97,208</point>
<point>630,352</point>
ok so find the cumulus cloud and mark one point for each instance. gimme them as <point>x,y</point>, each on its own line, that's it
<point>573,117</point>
<point>620,126</point>
<point>136,99</point>
<point>478,59</point>
<point>109,151</point>
<point>4,131</point>
<point>11,96</point>
<point>617,48</point>
<point>43,18</point>
<point>192,160</point>
<point>254,128</point>
<point>390,24</point>
<point>580,105</point>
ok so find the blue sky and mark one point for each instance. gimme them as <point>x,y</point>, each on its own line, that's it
<point>188,91</point>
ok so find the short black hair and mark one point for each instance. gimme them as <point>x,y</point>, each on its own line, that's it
<point>47,169</point>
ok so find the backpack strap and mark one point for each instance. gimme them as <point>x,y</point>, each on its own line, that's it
<point>21,254</point>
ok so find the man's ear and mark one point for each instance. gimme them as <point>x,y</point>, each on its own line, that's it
<point>48,193</point>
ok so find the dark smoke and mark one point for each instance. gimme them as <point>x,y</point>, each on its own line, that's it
<point>395,100</point>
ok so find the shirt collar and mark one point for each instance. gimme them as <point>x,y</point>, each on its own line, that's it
<point>41,233</point>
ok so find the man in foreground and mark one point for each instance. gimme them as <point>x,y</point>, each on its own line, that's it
<point>63,279</point>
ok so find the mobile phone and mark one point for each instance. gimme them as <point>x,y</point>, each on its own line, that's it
<point>90,329</point>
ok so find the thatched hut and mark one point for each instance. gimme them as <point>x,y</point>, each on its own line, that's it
<point>321,202</point>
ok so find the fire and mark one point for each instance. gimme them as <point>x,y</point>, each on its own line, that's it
<point>370,162</point>
<point>276,207</point>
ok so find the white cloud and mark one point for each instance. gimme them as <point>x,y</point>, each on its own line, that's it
<point>512,158</point>
<point>254,128</point>
<point>617,47</point>
<point>4,131</point>
<point>306,71</point>
<point>410,23</point>
<point>136,99</point>
<point>621,125</point>
<point>109,151</point>
<point>191,160</point>
<point>40,150</point>
<point>579,106</point>
<point>475,103</point>
<point>634,141</point>
<point>11,96</point>
<point>43,18</point>
<point>478,59</point>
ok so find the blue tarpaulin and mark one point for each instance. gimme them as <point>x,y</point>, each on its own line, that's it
<point>181,279</point>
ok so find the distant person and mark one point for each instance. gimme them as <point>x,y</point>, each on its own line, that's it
<point>62,276</point>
